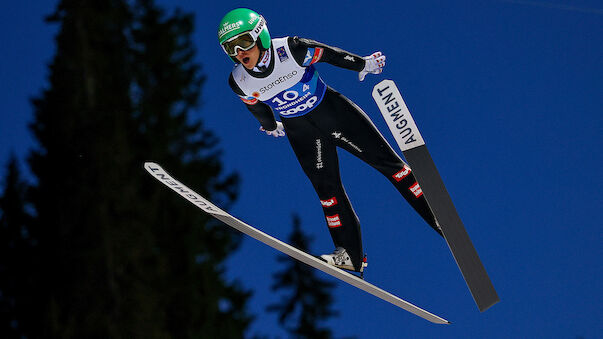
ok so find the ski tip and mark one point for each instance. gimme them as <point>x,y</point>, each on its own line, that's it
<point>438,320</point>
<point>430,317</point>
<point>149,164</point>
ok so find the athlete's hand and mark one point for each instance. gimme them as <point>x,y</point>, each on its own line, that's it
<point>374,64</point>
<point>278,132</point>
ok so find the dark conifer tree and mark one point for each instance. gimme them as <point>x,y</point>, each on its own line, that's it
<point>16,252</point>
<point>118,256</point>
<point>308,300</point>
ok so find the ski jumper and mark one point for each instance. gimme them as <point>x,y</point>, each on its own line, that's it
<point>317,120</point>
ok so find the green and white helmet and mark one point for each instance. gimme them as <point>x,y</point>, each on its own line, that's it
<point>241,28</point>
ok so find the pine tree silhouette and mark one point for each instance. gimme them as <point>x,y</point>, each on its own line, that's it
<point>117,255</point>
<point>308,300</point>
<point>16,253</point>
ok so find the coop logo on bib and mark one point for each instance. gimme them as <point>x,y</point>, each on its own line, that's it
<point>298,105</point>
<point>300,98</point>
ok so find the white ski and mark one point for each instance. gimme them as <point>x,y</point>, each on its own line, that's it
<point>158,173</point>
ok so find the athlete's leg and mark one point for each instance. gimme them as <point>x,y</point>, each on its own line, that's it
<point>317,156</point>
<point>355,132</point>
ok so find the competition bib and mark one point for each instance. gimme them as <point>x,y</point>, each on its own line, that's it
<point>291,90</point>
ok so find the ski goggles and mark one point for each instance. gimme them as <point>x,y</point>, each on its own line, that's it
<point>244,41</point>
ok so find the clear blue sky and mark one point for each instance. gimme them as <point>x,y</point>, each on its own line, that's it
<point>508,96</point>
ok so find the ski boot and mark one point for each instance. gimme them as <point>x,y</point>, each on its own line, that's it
<point>340,259</point>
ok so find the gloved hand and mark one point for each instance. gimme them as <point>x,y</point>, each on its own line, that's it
<point>278,132</point>
<point>374,64</point>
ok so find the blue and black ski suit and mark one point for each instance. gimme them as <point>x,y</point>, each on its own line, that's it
<point>317,119</point>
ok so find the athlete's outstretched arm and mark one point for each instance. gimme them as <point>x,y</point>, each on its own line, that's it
<point>323,53</point>
<point>307,52</point>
